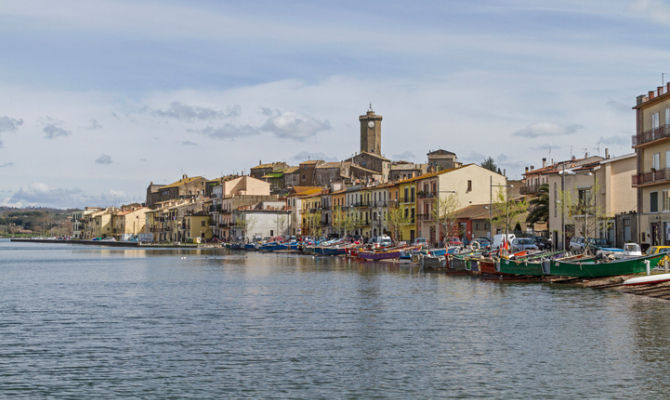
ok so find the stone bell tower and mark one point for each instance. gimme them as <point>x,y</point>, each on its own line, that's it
<point>371,132</point>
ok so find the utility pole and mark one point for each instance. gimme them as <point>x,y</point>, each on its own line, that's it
<point>491,208</point>
<point>563,207</point>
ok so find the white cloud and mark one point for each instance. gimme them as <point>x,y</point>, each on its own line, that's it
<point>292,125</point>
<point>545,129</point>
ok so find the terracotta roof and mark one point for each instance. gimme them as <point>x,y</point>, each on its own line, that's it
<point>291,170</point>
<point>312,162</point>
<point>475,211</point>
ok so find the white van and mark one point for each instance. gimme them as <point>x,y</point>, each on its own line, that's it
<point>498,240</point>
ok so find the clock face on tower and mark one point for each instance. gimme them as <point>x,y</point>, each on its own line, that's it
<point>371,124</point>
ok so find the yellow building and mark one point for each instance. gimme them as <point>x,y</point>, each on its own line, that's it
<point>404,216</point>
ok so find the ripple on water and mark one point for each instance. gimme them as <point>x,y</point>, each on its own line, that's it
<point>90,322</point>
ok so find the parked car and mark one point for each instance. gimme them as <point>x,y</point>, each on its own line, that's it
<point>500,238</point>
<point>382,241</point>
<point>420,241</point>
<point>597,244</point>
<point>523,244</point>
<point>577,244</point>
<point>454,241</point>
<point>484,242</point>
<point>542,243</point>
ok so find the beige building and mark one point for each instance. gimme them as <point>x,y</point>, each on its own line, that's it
<point>98,224</point>
<point>129,222</point>
<point>468,185</point>
<point>652,178</point>
<point>584,200</point>
<point>230,196</point>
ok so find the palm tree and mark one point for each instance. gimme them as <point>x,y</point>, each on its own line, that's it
<point>539,206</point>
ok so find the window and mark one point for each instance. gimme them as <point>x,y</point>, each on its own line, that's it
<point>406,212</point>
<point>667,115</point>
<point>412,199</point>
<point>412,215</point>
<point>667,159</point>
<point>425,187</point>
<point>653,202</point>
<point>665,200</point>
<point>469,185</point>
<point>584,197</point>
<point>202,223</point>
<point>656,161</point>
<point>406,197</point>
<point>655,123</point>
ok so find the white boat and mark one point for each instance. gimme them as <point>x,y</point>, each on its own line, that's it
<point>646,280</point>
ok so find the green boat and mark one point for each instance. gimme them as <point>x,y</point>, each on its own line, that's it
<point>523,267</point>
<point>591,268</point>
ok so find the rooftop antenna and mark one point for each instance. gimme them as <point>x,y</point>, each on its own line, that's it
<point>662,78</point>
<point>370,109</point>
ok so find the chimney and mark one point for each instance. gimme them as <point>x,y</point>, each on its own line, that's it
<point>260,162</point>
<point>573,158</point>
<point>659,90</point>
<point>650,94</point>
<point>667,87</point>
<point>526,169</point>
<point>607,153</point>
<point>544,162</point>
<point>586,155</point>
<point>532,167</point>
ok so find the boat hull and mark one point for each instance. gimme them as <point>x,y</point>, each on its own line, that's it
<point>591,269</point>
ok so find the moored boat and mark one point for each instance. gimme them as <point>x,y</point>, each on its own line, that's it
<point>592,268</point>
<point>647,280</point>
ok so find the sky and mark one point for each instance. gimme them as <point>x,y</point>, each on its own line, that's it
<point>98,98</point>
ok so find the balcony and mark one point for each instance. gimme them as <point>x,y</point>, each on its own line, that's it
<point>651,178</point>
<point>425,195</point>
<point>424,217</point>
<point>651,135</point>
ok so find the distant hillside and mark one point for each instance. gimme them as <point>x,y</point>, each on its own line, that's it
<point>35,221</point>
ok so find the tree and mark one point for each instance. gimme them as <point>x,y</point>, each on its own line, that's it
<point>539,206</point>
<point>444,212</point>
<point>490,164</point>
<point>396,219</point>
<point>505,210</point>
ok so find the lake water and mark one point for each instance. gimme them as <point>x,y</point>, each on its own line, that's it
<point>93,322</point>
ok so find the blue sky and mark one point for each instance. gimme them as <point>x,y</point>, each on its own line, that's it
<point>101,97</point>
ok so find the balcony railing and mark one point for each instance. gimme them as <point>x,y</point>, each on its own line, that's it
<point>424,217</point>
<point>651,135</point>
<point>425,195</point>
<point>658,176</point>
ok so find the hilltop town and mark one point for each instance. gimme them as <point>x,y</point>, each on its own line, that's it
<point>617,199</point>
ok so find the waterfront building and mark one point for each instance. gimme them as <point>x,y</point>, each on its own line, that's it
<point>311,215</point>
<point>264,220</point>
<point>185,188</point>
<point>129,221</point>
<point>445,193</point>
<point>294,203</point>
<point>584,199</point>
<point>231,195</point>
<point>98,224</point>
<point>652,179</point>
